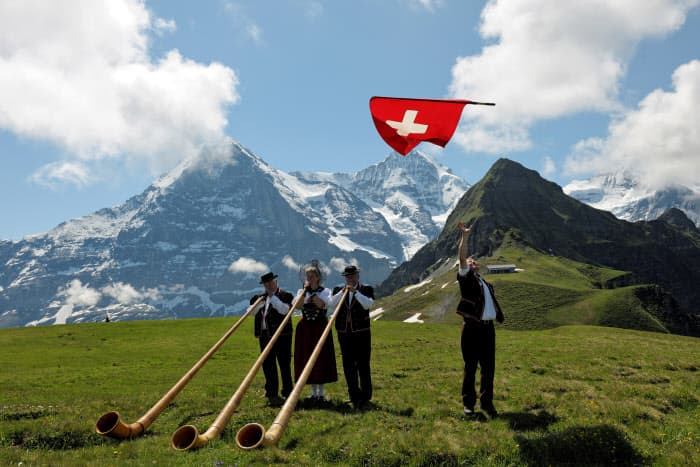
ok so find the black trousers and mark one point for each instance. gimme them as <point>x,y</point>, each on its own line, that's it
<point>281,355</point>
<point>356,348</point>
<point>478,348</point>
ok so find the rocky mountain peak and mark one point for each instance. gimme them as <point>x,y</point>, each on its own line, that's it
<point>514,204</point>
<point>678,218</point>
<point>624,196</point>
<point>195,242</point>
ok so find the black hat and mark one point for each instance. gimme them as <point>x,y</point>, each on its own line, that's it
<point>350,270</point>
<point>267,277</point>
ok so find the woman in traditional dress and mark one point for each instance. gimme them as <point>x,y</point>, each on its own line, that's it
<point>313,322</point>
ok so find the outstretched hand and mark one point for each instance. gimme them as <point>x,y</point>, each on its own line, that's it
<point>465,230</point>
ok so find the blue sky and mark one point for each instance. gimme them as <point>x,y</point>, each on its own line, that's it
<point>98,98</point>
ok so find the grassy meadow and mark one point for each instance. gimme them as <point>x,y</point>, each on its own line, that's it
<point>572,394</point>
<point>546,292</point>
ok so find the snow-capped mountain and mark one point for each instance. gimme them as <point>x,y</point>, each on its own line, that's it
<point>627,199</point>
<point>195,242</point>
<point>414,193</point>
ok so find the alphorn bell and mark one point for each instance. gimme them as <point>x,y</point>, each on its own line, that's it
<point>111,424</point>
<point>187,437</point>
<point>253,435</point>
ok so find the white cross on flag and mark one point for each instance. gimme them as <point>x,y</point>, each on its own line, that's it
<point>404,123</point>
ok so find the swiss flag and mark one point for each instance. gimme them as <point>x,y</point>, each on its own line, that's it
<point>404,123</point>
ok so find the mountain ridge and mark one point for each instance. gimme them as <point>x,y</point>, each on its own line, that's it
<point>514,202</point>
<point>193,244</point>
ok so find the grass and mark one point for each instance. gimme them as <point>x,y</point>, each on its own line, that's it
<point>548,291</point>
<point>574,394</point>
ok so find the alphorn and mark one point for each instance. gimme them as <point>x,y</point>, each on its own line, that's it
<point>111,424</point>
<point>188,437</point>
<point>253,435</point>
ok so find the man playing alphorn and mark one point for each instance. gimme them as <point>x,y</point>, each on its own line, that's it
<point>352,325</point>
<point>268,316</point>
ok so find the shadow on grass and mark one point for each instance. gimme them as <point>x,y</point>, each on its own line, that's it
<point>60,440</point>
<point>527,421</point>
<point>347,408</point>
<point>477,416</point>
<point>28,415</point>
<point>580,445</point>
<point>192,419</point>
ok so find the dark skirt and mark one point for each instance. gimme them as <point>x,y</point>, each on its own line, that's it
<point>307,335</point>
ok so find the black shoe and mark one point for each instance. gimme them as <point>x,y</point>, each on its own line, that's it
<point>469,411</point>
<point>275,401</point>
<point>362,405</point>
<point>491,411</point>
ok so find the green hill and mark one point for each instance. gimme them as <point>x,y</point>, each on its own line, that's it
<point>547,291</point>
<point>513,207</point>
<point>572,394</point>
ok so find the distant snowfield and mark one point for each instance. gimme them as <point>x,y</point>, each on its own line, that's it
<point>626,198</point>
<point>376,314</point>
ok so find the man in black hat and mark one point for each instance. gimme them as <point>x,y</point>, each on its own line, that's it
<point>268,316</point>
<point>352,325</point>
<point>479,308</point>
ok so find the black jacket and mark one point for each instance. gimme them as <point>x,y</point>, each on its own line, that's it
<point>359,317</point>
<point>471,305</point>
<point>273,319</point>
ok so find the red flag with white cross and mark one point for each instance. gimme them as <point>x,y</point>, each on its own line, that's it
<point>404,123</point>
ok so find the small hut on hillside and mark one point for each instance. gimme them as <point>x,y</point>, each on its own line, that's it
<point>500,268</point>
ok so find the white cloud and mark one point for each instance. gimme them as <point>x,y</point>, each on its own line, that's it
<point>254,32</point>
<point>162,26</point>
<point>127,294</point>
<point>243,22</point>
<point>289,263</point>
<point>248,265</point>
<point>480,136</point>
<point>547,59</point>
<point>338,264</point>
<point>78,294</point>
<point>81,77</point>
<point>658,142</point>
<point>429,5</point>
<point>325,270</point>
<point>61,173</point>
<point>75,294</point>
<point>123,293</point>
<point>312,9</point>
<point>549,168</point>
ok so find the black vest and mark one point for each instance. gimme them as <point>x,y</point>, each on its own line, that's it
<point>310,311</point>
<point>471,305</point>
<point>273,319</point>
<point>359,317</point>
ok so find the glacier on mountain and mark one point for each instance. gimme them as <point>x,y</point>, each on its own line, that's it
<point>622,195</point>
<point>167,252</point>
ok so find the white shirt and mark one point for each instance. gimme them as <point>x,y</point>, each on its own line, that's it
<point>489,313</point>
<point>324,295</point>
<point>363,300</point>
<point>279,306</point>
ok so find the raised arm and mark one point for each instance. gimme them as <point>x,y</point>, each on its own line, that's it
<point>463,245</point>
